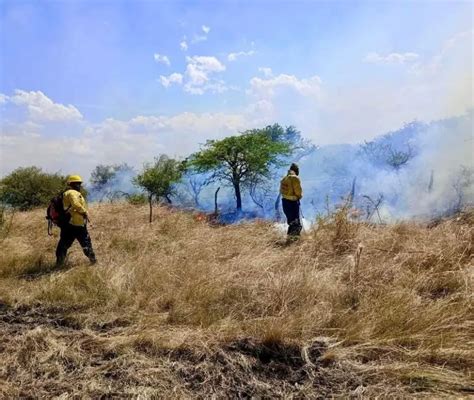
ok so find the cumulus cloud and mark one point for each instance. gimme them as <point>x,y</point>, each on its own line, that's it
<point>162,59</point>
<point>266,87</point>
<point>113,141</point>
<point>392,58</point>
<point>174,78</point>
<point>285,98</point>
<point>28,140</point>
<point>266,71</point>
<point>234,56</point>
<point>199,75</point>
<point>327,114</point>
<point>205,29</point>
<point>3,98</point>
<point>42,108</point>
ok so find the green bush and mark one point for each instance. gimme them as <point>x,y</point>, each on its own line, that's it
<point>137,199</point>
<point>30,187</point>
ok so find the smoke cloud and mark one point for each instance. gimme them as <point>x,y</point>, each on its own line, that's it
<point>419,171</point>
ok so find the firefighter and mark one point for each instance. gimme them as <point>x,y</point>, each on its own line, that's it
<point>291,194</point>
<point>76,228</point>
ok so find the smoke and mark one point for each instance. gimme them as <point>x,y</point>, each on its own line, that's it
<point>118,186</point>
<point>439,179</point>
<point>419,171</point>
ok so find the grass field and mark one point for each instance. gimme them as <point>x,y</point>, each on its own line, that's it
<point>182,309</point>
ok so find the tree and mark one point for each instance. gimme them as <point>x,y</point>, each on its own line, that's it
<point>393,150</point>
<point>387,155</point>
<point>240,160</point>
<point>157,179</point>
<point>299,146</point>
<point>101,175</point>
<point>30,187</point>
<point>111,181</point>
<point>194,184</point>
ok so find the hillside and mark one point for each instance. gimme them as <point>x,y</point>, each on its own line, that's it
<point>182,309</point>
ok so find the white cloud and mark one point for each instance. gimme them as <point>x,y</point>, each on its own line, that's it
<point>392,58</point>
<point>199,72</point>
<point>201,37</point>
<point>266,71</point>
<point>286,99</point>
<point>162,59</point>
<point>175,78</point>
<point>438,88</point>
<point>3,98</point>
<point>206,63</point>
<point>265,88</point>
<point>41,108</point>
<point>112,141</point>
<point>234,56</point>
<point>327,114</point>
<point>183,45</point>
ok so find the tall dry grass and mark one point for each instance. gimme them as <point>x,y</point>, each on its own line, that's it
<point>181,309</point>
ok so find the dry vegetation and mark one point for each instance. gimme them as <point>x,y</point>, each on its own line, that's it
<point>181,309</point>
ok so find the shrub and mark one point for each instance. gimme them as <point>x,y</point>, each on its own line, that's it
<point>137,199</point>
<point>30,187</point>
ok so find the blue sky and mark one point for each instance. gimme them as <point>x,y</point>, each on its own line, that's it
<point>111,81</point>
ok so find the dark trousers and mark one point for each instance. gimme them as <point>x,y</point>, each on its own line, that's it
<point>69,233</point>
<point>292,213</point>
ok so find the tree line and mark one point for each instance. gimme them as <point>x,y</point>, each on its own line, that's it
<point>241,162</point>
<point>248,163</point>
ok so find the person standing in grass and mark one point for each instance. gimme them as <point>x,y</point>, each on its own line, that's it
<point>291,194</point>
<point>76,227</point>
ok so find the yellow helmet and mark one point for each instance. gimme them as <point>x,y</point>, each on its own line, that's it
<point>73,179</point>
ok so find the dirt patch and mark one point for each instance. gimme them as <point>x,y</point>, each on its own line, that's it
<point>28,318</point>
<point>247,368</point>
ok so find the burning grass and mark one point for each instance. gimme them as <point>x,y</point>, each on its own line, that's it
<point>182,309</point>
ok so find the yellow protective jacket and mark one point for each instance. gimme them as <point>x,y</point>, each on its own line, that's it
<point>290,187</point>
<point>75,204</point>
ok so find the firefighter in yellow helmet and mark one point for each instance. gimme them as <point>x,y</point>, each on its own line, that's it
<point>76,227</point>
<point>291,194</point>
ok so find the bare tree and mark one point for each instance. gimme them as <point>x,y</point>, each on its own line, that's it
<point>195,184</point>
<point>261,193</point>
<point>386,154</point>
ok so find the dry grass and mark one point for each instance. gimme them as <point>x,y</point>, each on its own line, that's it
<point>180,309</point>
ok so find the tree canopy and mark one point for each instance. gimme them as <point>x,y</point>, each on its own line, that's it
<point>111,181</point>
<point>157,178</point>
<point>102,175</point>
<point>240,160</point>
<point>30,187</point>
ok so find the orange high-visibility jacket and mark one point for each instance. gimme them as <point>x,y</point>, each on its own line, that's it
<point>290,187</point>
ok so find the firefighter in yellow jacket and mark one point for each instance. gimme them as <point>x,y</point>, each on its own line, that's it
<point>291,194</point>
<point>76,228</point>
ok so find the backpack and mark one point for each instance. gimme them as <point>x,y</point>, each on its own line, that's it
<point>56,214</point>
